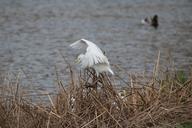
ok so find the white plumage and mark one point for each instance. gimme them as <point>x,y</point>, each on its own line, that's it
<point>93,57</point>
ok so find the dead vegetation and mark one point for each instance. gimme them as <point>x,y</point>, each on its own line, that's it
<point>163,100</point>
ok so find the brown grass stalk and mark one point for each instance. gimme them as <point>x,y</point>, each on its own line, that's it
<point>94,102</point>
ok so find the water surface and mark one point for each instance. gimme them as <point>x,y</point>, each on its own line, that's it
<point>32,32</point>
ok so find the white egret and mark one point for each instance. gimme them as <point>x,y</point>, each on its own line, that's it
<point>93,57</point>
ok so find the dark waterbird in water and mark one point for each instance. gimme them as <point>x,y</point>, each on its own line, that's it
<point>151,21</point>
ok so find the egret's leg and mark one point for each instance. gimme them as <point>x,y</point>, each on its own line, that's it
<point>95,79</point>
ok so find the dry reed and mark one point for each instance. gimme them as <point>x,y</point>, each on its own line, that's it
<point>94,102</point>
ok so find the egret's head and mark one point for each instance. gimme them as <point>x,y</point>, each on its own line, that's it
<point>79,58</point>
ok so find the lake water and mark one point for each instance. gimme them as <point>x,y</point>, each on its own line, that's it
<point>32,32</point>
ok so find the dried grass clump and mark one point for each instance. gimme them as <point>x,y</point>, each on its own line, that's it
<point>94,102</point>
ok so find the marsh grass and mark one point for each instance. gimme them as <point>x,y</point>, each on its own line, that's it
<point>163,100</point>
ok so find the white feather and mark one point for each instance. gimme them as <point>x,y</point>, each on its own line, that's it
<point>93,56</point>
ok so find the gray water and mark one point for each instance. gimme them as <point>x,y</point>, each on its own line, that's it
<point>32,32</point>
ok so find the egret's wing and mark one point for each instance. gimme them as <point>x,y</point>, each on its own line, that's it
<point>84,44</point>
<point>80,44</point>
<point>94,56</point>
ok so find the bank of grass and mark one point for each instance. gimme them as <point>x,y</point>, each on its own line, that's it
<point>163,100</point>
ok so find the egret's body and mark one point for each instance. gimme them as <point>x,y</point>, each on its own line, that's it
<point>93,57</point>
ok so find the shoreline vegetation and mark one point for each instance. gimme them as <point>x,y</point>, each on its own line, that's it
<point>164,100</point>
